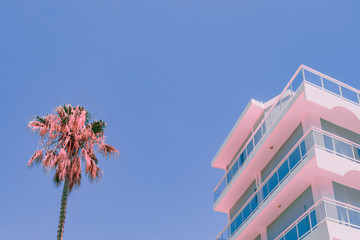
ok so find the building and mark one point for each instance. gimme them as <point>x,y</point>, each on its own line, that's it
<point>292,165</point>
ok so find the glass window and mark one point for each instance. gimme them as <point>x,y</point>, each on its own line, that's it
<point>328,143</point>
<point>257,136</point>
<point>232,227</point>
<point>343,148</point>
<point>313,218</point>
<point>249,147</point>
<point>229,176</point>
<point>238,220</point>
<point>242,158</point>
<point>273,181</point>
<point>246,212</point>
<point>303,226</point>
<point>342,214</point>
<point>291,235</point>
<point>294,158</point>
<point>265,191</point>
<point>354,217</point>
<point>303,148</point>
<point>283,170</point>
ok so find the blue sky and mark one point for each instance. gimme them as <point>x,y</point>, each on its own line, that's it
<point>170,78</point>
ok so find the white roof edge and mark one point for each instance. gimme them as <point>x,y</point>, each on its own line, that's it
<point>251,102</point>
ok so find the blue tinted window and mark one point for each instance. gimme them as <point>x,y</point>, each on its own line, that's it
<point>291,235</point>
<point>246,211</point>
<point>238,221</point>
<point>242,158</point>
<point>235,167</point>
<point>343,148</point>
<point>303,226</point>
<point>249,147</point>
<point>257,136</point>
<point>232,227</point>
<point>354,217</point>
<point>283,170</point>
<point>254,203</point>
<point>229,176</point>
<point>272,182</point>
<point>328,143</point>
<point>313,218</point>
<point>342,214</point>
<point>303,149</point>
<point>265,191</point>
<point>294,158</point>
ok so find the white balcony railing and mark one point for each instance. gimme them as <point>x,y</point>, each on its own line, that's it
<point>303,74</point>
<point>324,209</point>
<point>313,138</point>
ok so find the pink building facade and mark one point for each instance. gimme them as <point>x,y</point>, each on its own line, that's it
<point>292,164</point>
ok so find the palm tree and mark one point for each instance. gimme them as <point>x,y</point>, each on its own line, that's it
<point>67,136</point>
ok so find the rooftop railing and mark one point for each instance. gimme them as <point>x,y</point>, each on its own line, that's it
<point>324,209</point>
<point>314,137</point>
<point>303,74</point>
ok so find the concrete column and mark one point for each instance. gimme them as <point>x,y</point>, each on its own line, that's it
<point>263,233</point>
<point>309,120</point>
<point>323,187</point>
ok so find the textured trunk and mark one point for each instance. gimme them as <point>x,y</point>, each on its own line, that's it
<point>64,197</point>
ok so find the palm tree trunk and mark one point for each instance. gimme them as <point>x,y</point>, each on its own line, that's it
<point>64,197</point>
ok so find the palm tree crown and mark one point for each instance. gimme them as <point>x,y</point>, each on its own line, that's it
<point>67,136</point>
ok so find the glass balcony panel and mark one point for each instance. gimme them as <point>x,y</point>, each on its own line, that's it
<point>303,149</point>
<point>331,86</point>
<point>354,217</point>
<point>235,167</point>
<point>258,136</point>
<point>239,220</point>
<point>297,81</point>
<point>242,158</point>
<point>225,235</point>
<point>294,158</point>
<point>263,128</point>
<point>229,176</point>
<point>265,191</point>
<point>313,218</point>
<point>292,234</point>
<point>285,100</point>
<point>232,227</point>
<point>275,112</point>
<point>254,203</point>
<point>349,94</point>
<point>273,181</point>
<point>309,140</point>
<point>303,226</point>
<point>247,211</point>
<point>283,170</point>
<point>356,152</point>
<point>313,78</point>
<point>343,148</point>
<point>249,147</point>
<point>328,143</point>
<point>268,121</point>
<point>341,211</point>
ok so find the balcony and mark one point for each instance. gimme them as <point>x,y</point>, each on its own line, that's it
<point>303,76</point>
<point>314,223</point>
<point>300,153</point>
